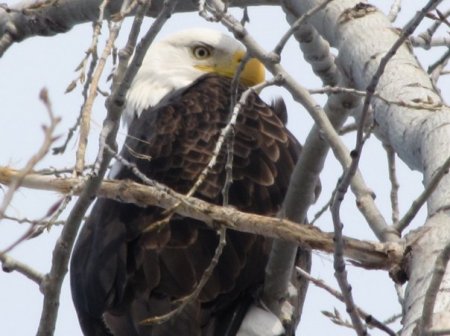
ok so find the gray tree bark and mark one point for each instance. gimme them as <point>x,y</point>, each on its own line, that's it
<point>46,18</point>
<point>420,136</point>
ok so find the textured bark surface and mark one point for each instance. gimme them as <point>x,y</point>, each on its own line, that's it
<point>30,18</point>
<point>418,130</point>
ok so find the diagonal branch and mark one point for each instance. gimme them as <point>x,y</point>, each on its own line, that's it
<point>423,197</point>
<point>369,319</point>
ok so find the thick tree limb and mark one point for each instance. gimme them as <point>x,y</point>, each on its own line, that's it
<point>366,254</point>
<point>46,17</point>
<point>339,264</point>
<point>421,137</point>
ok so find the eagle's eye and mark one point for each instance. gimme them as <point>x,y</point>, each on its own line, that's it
<point>201,52</point>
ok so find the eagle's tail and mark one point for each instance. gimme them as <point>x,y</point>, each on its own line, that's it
<point>93,326</point>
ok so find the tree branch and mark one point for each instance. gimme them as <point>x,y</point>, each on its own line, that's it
<point>368,318</point>
<point>85,119</point>
<point>49,138</point>
<point>423,197</point>
<point>10,264</point>
<point>46,18</point>
<point>366,254</point>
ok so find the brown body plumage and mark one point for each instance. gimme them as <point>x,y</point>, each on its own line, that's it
<point>121,275</point>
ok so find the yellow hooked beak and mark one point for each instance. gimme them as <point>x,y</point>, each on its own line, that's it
<point>252,74</point>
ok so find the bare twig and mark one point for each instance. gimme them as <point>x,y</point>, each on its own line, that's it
<point>339,263</point>
<point>423,197</point>
<point>34,222</point>
<point>393,318</point>
<point>441,41</point>
<point>123,79</point>
<point>127,51</point>
<point>436,69</point>
<point>49,138</point>
<point>92,51</point>
<point>353,127</point>
<point>394,183</point>
<point>280,46</point>
<point>368,318</point>
<point>58,171</point>
<point>337,319</point>
<point>427,36</point>
<point>70,132</point>
<point>396,7</point>
<point>85,121</point>
<point>321,211</point>
<point>38,226</point>
<point>10,264</point>
<point>434,106</point>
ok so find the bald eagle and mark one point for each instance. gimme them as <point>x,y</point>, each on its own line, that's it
<point>123,269</point>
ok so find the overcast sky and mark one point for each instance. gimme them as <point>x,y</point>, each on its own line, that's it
<point>50,62</point>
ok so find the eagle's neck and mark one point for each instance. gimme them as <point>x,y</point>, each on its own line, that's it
<point>154,81</point>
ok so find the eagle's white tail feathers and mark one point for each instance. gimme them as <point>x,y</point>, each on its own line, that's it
<point>260,322</point>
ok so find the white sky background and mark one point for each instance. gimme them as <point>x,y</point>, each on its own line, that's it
<point>50,62</point>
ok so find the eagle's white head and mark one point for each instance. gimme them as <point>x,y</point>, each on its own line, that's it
<point>180,59</point>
